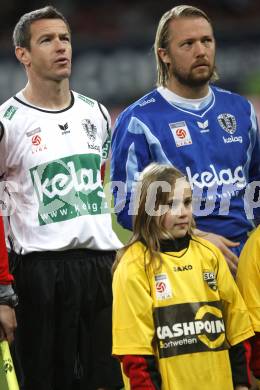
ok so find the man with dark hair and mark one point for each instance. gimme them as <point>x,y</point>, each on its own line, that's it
<point>208,133</point>
<point>22,31</point>
<point>53,146</point>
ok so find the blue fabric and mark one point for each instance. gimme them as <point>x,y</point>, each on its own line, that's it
<point>217,147</point>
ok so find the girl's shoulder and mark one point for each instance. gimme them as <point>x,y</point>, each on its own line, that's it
<point>205,246</point>
<point>132,263</point>
<point>138,247</point>
<point>134,253</point>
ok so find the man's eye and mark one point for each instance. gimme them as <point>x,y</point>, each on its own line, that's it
<point>187,44</point>
<point>207,41</point>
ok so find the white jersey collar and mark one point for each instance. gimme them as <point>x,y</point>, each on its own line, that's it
<point>190,104</point>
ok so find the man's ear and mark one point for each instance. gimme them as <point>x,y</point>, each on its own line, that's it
<point>23,55</point>
<point>163,54</point>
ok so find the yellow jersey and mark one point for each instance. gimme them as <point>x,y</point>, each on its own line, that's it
<point>248,277</point>
<point>187,314</point>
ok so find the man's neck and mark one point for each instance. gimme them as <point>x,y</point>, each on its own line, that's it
<point>186,91</point>
<point>51,95</point>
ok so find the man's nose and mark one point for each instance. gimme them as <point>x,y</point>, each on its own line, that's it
<point>200,49</point>
<point>59,45</point>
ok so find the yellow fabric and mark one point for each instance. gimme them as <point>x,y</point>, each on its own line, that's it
<point>8,380</point>
<point>193,289</point>
<point>248,277</point>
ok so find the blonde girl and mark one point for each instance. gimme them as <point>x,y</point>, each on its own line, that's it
<point>177,310</point>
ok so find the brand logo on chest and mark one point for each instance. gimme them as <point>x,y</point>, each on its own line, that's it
<point>203,126</point>
<point>181,268</point>
<point>64,129</point>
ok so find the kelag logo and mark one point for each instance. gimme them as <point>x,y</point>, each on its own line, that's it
<point>189,327</point>
<point>68,188</point>
<point>213,177</point>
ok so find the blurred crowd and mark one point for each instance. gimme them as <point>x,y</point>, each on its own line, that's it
<point>113,41</point>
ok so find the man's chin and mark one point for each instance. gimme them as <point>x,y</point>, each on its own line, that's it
<point>198,82</point>
<point>201,78</point>
<point>65,74</point>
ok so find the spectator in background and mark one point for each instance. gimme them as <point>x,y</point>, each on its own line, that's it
<point>52,145</point>
<point>8,299</point>
<point>209,133</point>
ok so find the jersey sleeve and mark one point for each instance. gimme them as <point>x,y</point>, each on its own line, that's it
<point>142,372</point>
<point>237,320</point>
<point>106,139</point>
<point>3,144</point>
<point>254,167</point>
<point>239,356</point>
<point>255,358</point>
<point>248,277</point>
<point>106,132</point>
<point>133,328</point>
<point>130,155</point>
<point>5,277</point>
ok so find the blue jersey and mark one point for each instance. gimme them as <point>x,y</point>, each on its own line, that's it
<point>217,147</point>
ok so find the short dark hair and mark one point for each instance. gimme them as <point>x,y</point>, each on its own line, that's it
<point>22,30</point>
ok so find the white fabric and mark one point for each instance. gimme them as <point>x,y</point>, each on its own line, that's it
<point>51,162</point>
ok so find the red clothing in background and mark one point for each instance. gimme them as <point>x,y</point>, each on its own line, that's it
<point>5,276</point>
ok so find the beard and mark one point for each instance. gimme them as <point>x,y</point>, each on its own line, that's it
<point>193,78</point>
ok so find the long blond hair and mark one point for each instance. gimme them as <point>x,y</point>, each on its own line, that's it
<point>162,37</point>
<point>147,226</point>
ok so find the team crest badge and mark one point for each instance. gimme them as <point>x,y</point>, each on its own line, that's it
<point>90,129</point>
<point>227,122</point>
<point>210,278</point>
<point>180,133</point>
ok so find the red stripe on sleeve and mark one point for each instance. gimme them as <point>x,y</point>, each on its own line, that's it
<point>103,171</point>
<point>5,276</point>
<point>255,358</point>
<point>247,346</point>
<point>136,369</point>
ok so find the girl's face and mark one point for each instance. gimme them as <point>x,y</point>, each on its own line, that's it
<point>177,219</point>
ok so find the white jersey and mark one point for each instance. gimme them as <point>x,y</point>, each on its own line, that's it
<point>50,161</point>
